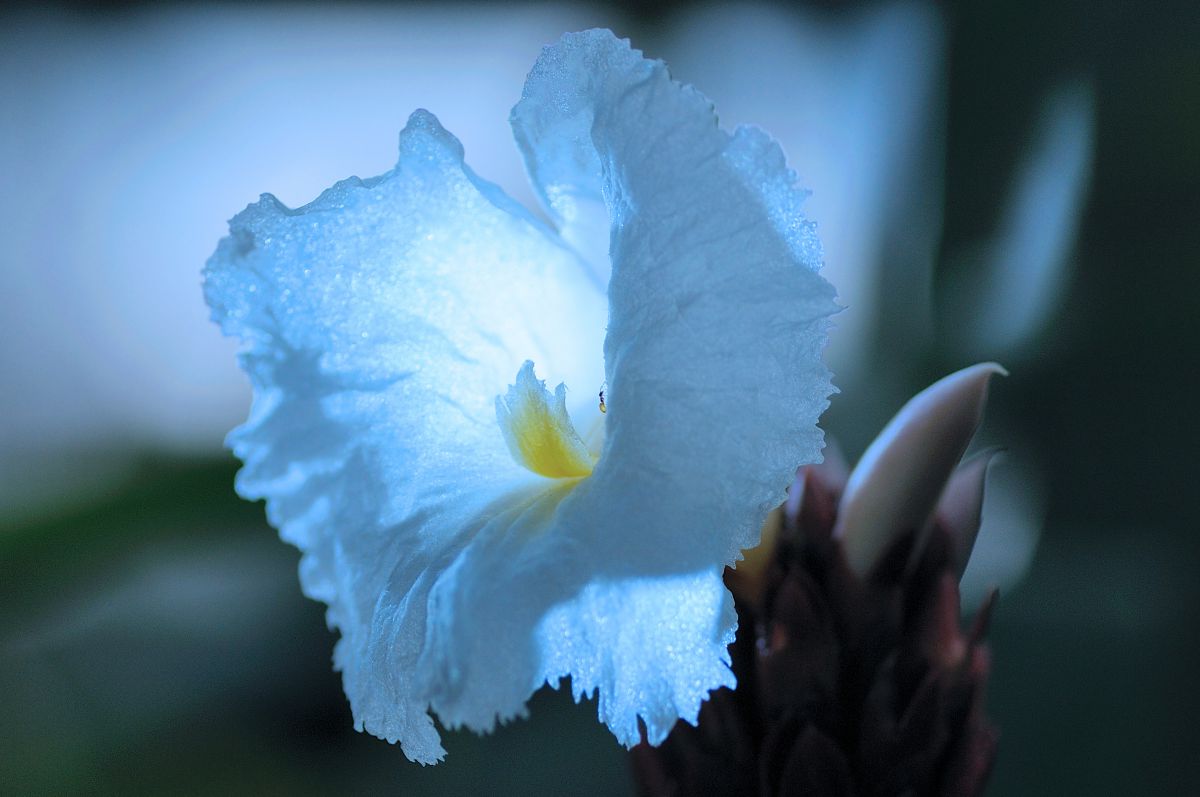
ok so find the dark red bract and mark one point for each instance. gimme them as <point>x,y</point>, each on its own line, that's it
<point>847,685</point>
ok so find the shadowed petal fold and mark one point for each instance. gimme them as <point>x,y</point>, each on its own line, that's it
<point>717,315</point>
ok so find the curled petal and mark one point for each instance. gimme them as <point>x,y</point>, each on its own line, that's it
<point>896,485</point>
<point>717,314</point>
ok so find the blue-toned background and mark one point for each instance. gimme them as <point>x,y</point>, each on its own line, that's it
<point>1009,181</point>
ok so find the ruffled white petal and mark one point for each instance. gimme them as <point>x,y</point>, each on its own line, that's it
<point>379,323</point>
<point>633,631</point>
<point>716,321</point>
<point>383,321</point>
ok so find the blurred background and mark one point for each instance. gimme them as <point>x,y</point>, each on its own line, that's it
<point>1014,181</point>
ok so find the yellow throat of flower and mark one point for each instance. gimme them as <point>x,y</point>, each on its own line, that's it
<point>539,431</point>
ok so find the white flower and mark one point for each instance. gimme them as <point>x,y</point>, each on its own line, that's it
<point>475,535</point>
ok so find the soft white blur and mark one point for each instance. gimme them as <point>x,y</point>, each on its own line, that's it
<point>1007,295</point>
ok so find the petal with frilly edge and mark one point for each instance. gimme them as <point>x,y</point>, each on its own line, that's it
<point>391,330</point>
<point>379,324</point>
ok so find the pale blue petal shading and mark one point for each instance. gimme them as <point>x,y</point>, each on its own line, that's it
<point>717,315</point>
<point>716,322</point>
<point>378,325</point>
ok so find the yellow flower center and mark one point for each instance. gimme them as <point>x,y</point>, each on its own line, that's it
<point>539,431</point>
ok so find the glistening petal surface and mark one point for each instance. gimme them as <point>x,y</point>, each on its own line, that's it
<point>716,321</point>
<point>378,325</point>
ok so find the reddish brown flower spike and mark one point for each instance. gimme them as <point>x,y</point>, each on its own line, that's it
<point>847,685</point>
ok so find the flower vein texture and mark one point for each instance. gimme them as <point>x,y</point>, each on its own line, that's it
<point>475,534</point>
